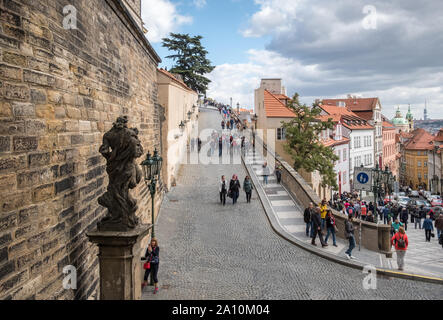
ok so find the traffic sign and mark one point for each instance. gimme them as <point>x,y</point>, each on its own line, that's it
<point>362,179</point>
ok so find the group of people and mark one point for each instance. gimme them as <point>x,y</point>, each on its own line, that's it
<point>233,189</point>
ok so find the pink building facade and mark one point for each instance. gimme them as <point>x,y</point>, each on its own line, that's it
<point>390,151</point>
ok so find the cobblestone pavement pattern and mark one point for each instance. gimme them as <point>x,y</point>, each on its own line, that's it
<point>214,252</point>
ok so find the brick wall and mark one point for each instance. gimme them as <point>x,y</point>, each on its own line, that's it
<point>60,90</point>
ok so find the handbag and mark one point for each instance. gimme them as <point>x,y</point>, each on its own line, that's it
<point>147,265</point>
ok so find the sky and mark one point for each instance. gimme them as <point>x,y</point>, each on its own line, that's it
<point>320,48</point>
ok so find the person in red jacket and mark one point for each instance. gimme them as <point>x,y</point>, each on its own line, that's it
<point>401,243</point>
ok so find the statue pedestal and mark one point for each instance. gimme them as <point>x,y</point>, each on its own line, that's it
<point>120,264</point>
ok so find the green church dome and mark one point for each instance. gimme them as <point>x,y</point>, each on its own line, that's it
<point>399,120</point>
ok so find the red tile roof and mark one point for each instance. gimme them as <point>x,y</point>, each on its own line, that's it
<point>422,140</point>
<point>357,104</point>
<point>275,108</point>
<point>348,118</point>
<point>439,136</point>
<point>178,81</point>
<point>332,143</point>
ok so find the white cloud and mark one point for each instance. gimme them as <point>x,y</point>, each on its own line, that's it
<point>199,3</point>
<point>273,16</point>
<point>240,80</point>
<point>161,17</point>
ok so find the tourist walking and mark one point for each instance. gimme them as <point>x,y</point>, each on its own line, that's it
<point>404,217</point>
<point>309,211</point>
<point>152,256</point>
<point>330,226</point>
<point>265,173</point>
<point>247,187</point>
<point>223,189</point>
<point>278,172</point>
<point>386,215</point>
<point>427,225</point>
<point>234,189</point>
<point>316,219</point>
<point>349,234</point>
<point>324,210</point>
<point>439,225</point>
<point>400,241</point>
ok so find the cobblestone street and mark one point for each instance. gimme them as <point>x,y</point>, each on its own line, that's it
<point>214,252</point>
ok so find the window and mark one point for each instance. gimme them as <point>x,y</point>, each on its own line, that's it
<point>344,177</point>
<point>344,154</point>
<point>419,175</point>
<point>419,164</point>
<point>426,176</point>
<point>425,163</point>
<point>281,134</point>
<point>418,153</point>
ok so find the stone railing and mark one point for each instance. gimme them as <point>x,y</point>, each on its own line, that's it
<point>374,237</point>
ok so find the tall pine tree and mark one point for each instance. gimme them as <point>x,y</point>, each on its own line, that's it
<point>304,145</point>
<point>190,60</point>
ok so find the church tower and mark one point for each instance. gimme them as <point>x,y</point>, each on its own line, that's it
<point>410,119</point>
<point>425,116</point>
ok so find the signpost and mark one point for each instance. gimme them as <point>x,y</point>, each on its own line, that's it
<point>362,179</point>
<point>363,182</point>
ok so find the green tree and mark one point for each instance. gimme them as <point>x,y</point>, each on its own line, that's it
<point>190,60</point>
<point>304,145</point>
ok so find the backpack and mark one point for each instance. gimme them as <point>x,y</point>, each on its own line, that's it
<point>401,243</point>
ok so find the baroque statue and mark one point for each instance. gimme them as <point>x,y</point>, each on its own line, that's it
<point>120,148</point>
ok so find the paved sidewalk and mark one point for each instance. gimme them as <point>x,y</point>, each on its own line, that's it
<point>422,258</point>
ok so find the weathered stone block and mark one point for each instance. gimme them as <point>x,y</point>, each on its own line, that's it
<point>38,78</point>
<point>10,17</point>
<point>3,255</point>
<point>14,59</point>
<point>35,127</point>
<point>5,239</point>
<point>27,215</point>
<point>71,126</point>
<point>73,113</point>
<point>66,169</point>
<point>5,144</point>
<point>38,96</point>
<point>7,269</point>
<point>10,127</point>
<point>45,111</point>
<point>38,159</point>
<point>64,185</point>
<point>8,182</point>
<point>43,192</point>
<point>25,143</point>
<point>5,109</point>
<point>23,110</point>
<point>9,72</point>
<point>14,91</point>
<point>12,163</point>
<point>8,221</point>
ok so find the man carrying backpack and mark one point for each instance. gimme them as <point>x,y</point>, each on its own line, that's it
<point>400,240</point>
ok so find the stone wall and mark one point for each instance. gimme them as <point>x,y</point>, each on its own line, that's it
<point>60,91</point>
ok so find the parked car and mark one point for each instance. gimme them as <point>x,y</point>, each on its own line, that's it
<point>436,202</point>
<point>420,203</point>
<point>426,194</point>
<point>433,196</point>
<point>414,194</point>
<point>403,201</point>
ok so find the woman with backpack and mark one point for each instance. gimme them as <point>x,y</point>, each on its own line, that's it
<point>247,186</point>
<point>400,240</point>
<point>152,263</point>
<point>330,226</point>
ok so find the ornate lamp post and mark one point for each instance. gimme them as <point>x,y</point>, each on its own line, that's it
<point>238,108</point>
<point>151,171</point>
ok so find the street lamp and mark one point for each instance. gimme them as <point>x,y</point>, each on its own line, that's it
<point>189,115</point>
<point>151,171</point>
<point>238,108</point>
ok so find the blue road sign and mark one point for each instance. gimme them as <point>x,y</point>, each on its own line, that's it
<point>363,178</point>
